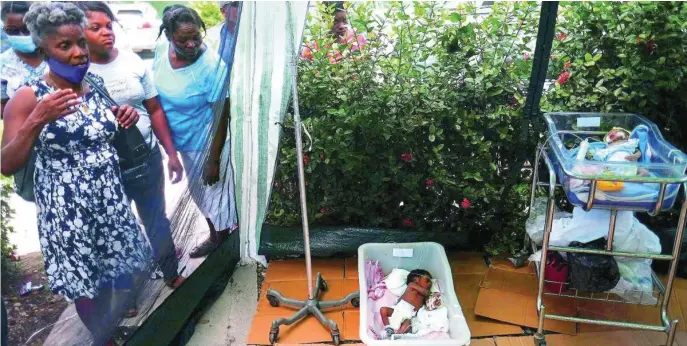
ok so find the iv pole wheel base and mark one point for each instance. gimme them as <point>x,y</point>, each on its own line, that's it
<point>355,302</point>
<point>323,286</point>
<point>274,302</point>
<point>274,335</point>
<point>336,339</point>
<point>539,340</point>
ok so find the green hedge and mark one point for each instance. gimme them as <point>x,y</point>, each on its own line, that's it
<point>417,131</point>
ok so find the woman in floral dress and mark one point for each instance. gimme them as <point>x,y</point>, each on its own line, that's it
<point>89,238</point>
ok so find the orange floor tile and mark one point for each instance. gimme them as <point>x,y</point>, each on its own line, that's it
<point>351,268</point>
<point>288,278</point>
<point>351,329</point>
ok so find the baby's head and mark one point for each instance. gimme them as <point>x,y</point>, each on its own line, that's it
<point>617,134</point>
<point>420,277</point>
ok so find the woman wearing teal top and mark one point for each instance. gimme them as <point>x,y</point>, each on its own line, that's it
<point>189,79</point>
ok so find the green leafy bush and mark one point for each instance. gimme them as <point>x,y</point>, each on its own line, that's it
<point>623,57</point>
<point>208,11</point>
<point>9,268</point>
<point>426,115</point>
<point>414,130</point>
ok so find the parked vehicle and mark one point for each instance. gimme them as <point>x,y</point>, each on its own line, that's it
<point>140,23</point>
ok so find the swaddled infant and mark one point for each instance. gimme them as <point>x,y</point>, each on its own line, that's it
<point>397,320</point>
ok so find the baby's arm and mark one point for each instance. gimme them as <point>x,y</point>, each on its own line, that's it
<point>423,291</point>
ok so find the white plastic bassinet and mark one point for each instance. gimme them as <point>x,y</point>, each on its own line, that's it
<point>409,256</point>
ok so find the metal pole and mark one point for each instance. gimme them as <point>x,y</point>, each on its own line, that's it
<point>611,230</point>
<point>301,175</point>
<point>535,90</point>
<point>676,257</point>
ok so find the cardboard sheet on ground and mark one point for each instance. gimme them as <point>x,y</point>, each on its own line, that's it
<point>510,295</point>
<point>469,270</point>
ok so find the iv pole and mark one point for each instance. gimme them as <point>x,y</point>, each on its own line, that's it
<point>313,305</point>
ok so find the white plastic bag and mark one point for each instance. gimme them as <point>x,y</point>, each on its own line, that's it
<point>636,283</point>
<point>537,220</point>
<point>630,234</point>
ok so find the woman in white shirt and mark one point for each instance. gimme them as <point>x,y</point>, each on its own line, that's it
<point>129,82</point>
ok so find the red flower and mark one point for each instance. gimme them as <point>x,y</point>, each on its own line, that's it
<point>465,203</point>
<point>324,211</point>
<point>406,157</point>
<point>561,36</point>
<point>428,183</point>
<point>526,56</point>
<point>563,77</point>
<point>567,65</point>
<point>407,222</point>
<point>306,159</point>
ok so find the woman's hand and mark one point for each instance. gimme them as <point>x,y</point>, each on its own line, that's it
<point>56,105</point>
<point>126,115</point>
<point>176,170</point>
<point>211,172</point>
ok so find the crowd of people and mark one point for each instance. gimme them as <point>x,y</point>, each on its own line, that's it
<point>60,77</point>
<point>68,91</point>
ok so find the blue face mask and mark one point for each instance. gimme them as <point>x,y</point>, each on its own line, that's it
<point>21,43</point>
<point>74,74</point>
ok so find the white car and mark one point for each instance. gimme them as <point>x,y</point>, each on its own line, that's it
<point>140,24</point>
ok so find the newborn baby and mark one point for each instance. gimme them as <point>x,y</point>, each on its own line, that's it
<point>398,319</point>
<point>621,148</point>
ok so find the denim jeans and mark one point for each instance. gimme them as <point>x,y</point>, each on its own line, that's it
<point>149,197</point>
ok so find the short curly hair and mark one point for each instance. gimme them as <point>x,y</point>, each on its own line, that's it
<point>45,18</point>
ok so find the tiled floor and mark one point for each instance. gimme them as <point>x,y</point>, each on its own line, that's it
<point>469,272</point>
<point>288,277</point>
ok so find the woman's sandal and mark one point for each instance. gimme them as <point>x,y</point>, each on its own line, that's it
<point>131,312</point>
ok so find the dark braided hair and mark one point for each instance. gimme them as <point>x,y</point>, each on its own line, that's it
<point>95,6</point>
<point>334,7</point>
<point>175,15</point>
<point>14,7</point>
<point>416,274</point>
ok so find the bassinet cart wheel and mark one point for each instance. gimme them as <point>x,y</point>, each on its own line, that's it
<point>541,342</point>
<point>274,302</point>
<point>336,339</point>
<point>355,302</point>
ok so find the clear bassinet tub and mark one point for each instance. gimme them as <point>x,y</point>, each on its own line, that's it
<point>428,256</point>
<point>640,181</point>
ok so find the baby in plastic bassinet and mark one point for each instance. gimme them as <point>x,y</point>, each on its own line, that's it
<point>397,320</point>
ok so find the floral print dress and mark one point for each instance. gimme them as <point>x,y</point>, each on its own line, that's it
<point>88,234</point>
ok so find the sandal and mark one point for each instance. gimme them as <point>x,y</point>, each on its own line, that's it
<point>131,313</point>
<point>131,309</point>
<point>203,249</point>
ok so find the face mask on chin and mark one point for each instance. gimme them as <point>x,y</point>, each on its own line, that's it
<point>23,44</point>
<point>74,74</point>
